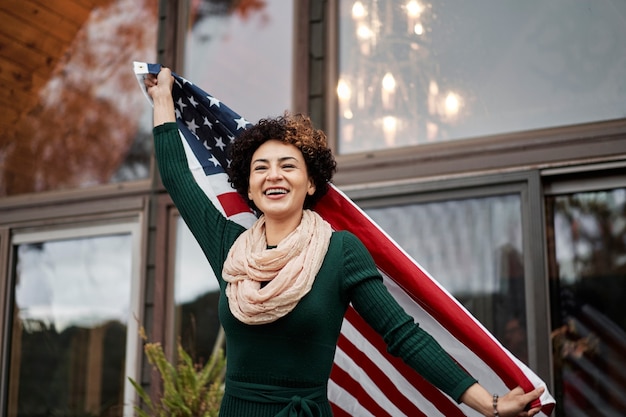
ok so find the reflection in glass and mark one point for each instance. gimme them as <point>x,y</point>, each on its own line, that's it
<point>70,316</point>
<point>473,248</point>
<point>196,295</point>
<point>241,53</point>
<point>588,294</point>
<point>413,72</point>
<point>88,123</point>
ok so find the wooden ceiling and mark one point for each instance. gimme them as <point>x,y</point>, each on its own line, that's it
<point>34,34</point>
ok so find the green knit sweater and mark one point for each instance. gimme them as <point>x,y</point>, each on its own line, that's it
<point>297,350</point>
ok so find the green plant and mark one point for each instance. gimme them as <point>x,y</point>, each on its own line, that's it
<point>189,390</point>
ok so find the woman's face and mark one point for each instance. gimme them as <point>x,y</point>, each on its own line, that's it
<point>279,181</point>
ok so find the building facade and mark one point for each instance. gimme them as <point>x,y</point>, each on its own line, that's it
<point>488,141</point>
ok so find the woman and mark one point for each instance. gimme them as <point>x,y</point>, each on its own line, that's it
<point>287,281</point>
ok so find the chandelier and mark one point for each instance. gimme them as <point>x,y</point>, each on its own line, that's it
<point>390,92</point>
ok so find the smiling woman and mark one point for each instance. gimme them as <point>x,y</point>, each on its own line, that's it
<point>287,281</point>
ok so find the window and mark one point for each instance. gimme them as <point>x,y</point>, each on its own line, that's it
<point>82,119</point>
<point>242,55</point>
<point>588,292</point>
<point>74,327</point>
<point>473,248</point>
<point>413,72</point>
<point>196,295</point>
<point>479,238</point>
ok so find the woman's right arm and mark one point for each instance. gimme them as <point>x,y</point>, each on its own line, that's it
<point>211,229</point>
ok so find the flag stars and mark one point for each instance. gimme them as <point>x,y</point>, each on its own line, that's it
<point>180,104</point>
<point>219,142</point>
<point>192,101</point>
<point>213,101</point>
<point>241,123</point>
<point>192,126</point>
<point>214,160</point>
<point>208,123</point>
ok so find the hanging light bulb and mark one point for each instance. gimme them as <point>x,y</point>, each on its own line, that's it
<point>390,128</point>
<point>363,32</point>
<point>452,105</point>
<point>389,83</point>
<point>343,90</point>
<point>388,90</point>
<point>413,8</point>
<point>413,12</point>
<point>358,10</point>
<point>344,93</point>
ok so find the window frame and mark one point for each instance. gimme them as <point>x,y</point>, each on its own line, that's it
<point>572,180</point>
<point>528,186</point>
<point>69,214</point>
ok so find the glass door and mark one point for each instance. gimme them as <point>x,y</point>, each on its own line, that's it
<point>73,323</point>
<point>587,274</point>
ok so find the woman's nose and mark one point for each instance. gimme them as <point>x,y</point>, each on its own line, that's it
<point>274,173</point>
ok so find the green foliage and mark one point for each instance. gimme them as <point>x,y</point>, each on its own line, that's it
<point>189,390</point>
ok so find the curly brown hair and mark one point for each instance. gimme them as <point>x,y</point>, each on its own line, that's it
<point>295,129</point>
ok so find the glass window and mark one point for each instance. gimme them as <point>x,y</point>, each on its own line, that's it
<point>413,71</point>
<point>88,123</point>
<point>74,333</point>
<point>242,54</point>
<point>196,295</point>
<point>473,248</point>
<point>588,293</point>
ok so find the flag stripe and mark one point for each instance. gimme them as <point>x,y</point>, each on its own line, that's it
<point>346,404</point>
<point>356,388</point>
<point>384,383</point>
<point>232,203</point>
<point>441,402</point>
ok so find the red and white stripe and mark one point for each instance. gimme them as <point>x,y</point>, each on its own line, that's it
<point>366,380</point>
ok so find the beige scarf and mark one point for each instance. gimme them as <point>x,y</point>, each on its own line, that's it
<point>289,269</point>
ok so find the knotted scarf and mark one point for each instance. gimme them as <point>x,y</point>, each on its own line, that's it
<point>288,269</point>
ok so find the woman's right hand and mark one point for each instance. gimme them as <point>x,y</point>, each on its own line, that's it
<point>160,89</point>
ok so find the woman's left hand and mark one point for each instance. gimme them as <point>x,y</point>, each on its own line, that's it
<point>516,402</point>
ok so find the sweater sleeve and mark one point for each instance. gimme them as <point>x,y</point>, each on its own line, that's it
<point>214,233</point>
<point>404,338</point>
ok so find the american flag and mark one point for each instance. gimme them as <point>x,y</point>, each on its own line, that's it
<point>365,380</point>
